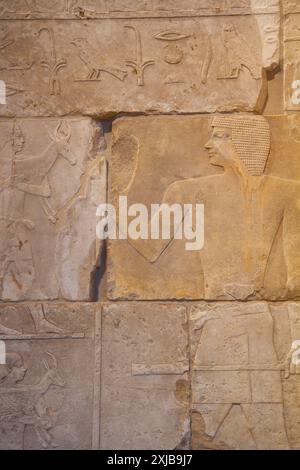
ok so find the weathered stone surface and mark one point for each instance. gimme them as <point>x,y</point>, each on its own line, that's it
<point>290,6</point>
<point>211,376</point>
<point>52,179</point>
<point>251,207</point>
<point>14,9</point>
<point>145,387</point>
<point>50,385</point>
<point>104,67</point>
<point>245,388</point>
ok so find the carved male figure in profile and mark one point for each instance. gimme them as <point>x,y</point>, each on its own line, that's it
<point>246,212</point>
<point>240,375</point>
<point>18,180</point>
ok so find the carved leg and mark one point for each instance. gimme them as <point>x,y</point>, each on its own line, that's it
<point>8,331</point>
<point>43,436</point>
<point>42,325</point>
<point>49,211</point>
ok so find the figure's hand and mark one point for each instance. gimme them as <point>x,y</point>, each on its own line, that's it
<point>292,362</point>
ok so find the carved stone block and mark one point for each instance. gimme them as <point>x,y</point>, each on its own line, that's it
<point>166,65</point>
<point>50,384</point>
<point>145,387</point>
<point>251,205</point>
<point>52,179</point>
<point>245,386</point>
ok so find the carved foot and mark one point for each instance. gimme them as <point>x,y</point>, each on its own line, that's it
<point>8,331</point>
<point>42,325</point>
<point>45,326</point>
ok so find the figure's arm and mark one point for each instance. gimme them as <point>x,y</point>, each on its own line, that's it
<point>42,190</point>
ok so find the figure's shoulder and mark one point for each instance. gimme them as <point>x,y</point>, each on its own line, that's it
<point>285,184</point>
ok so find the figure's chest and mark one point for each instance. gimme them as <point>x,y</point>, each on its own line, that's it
<point>223,205</point>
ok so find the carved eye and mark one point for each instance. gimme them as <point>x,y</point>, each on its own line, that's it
<point>171,36</point>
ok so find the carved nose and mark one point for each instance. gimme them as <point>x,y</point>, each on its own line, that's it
<point>208,145</point>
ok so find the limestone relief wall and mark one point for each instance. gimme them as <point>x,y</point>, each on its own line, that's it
<point>127,342</point>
